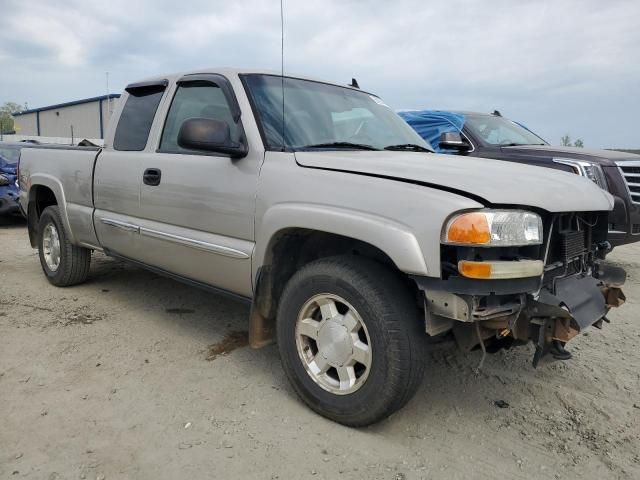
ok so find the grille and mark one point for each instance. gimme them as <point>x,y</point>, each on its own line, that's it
<point>572,245</point>
<point>635,228</point>
<point>631,174</point>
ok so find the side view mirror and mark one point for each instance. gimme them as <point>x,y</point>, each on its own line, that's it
<point>453,141</point>
<point>211,136</point>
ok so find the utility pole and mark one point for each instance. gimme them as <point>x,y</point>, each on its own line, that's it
<point>108,98</point>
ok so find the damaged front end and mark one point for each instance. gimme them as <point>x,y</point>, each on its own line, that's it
<point>572,290</point>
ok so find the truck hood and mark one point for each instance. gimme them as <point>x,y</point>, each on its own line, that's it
<point>492,182</point>
<point>603,157</point>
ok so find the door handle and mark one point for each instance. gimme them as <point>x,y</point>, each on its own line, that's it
<point>152,176</point>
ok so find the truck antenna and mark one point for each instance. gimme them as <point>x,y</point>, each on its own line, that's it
<point>282,69</point>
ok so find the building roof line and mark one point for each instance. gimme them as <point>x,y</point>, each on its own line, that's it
<point>67,104</point>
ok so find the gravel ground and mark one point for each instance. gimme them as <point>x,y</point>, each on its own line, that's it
<point>132,375</point>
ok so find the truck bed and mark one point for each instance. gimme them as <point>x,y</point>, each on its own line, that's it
<point>68,172</point>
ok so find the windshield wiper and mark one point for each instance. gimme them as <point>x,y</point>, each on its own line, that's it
<point>407,147</point>
<point>346,145</point>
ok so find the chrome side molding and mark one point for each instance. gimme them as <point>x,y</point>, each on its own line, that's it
<point>129,227</point>
<point>198,244</point>
<point>180,240</point>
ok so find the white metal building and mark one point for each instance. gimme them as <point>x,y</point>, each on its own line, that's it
<point>80,119</point>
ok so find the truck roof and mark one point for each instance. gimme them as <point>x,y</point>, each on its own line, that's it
<point>232,71</point>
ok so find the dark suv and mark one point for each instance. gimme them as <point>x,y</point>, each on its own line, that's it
<point>493,136</point>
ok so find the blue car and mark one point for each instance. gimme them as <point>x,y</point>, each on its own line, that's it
<point>9,191</point>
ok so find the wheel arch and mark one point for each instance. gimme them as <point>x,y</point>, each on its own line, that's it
<point>393,238</point>
<point>294,235</point>
<point>45,191</point>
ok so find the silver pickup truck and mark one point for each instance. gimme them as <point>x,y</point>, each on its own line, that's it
<point>353,243</point>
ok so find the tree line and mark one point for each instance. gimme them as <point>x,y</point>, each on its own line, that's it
<point>6,116</point>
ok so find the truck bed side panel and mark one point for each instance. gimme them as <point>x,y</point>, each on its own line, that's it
<point>69,174</point>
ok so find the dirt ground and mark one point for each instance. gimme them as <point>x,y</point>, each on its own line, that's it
<point>132,375</point>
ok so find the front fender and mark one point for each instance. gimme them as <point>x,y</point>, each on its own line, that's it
<point>392,237</point>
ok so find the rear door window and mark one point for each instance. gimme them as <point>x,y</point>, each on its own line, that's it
<point>136,118</point>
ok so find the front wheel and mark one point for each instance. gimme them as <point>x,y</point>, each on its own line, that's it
<point>63,263</point>
<point>350,339</point>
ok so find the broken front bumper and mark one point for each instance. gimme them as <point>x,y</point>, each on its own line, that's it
<point>573,304</point>
<point>493,315</point>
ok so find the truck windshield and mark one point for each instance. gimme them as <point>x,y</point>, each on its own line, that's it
<point>323,116</point>
<point>496,130</point>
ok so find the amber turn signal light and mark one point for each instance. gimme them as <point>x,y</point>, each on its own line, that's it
<point>500,269</point>
<point>469,228</point>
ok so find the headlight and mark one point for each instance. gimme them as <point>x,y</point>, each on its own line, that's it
<point>4,181</point>
<point>494,228</point>
<point>585,169</point>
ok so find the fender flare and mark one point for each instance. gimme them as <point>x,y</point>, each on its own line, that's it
<point>53,184</point>
<point>390,236</point>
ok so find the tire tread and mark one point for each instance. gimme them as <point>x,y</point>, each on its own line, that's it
<point>75,261</point>
<point>384,290</point>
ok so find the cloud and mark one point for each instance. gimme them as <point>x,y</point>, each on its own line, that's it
<point>63,36</point>
<point>558,66</point>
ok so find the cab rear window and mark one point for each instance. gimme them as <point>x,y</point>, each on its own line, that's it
<point>136,118</point>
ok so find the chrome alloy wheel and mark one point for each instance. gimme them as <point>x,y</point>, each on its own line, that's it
<point>333,344</point>
<point>51,247</point>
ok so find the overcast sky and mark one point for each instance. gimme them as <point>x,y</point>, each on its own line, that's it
<point>556,66</point>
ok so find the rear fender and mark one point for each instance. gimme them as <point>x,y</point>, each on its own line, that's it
<point>49,181</point>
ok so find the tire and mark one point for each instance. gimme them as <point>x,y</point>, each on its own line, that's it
<point>73,261</point>
<point>383,378</point>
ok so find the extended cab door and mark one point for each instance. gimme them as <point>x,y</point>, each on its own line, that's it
<point>197,207</point>
<point>118,170</point>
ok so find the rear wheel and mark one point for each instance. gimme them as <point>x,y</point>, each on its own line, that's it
<point>63,263</point>
<point>350,339</point>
